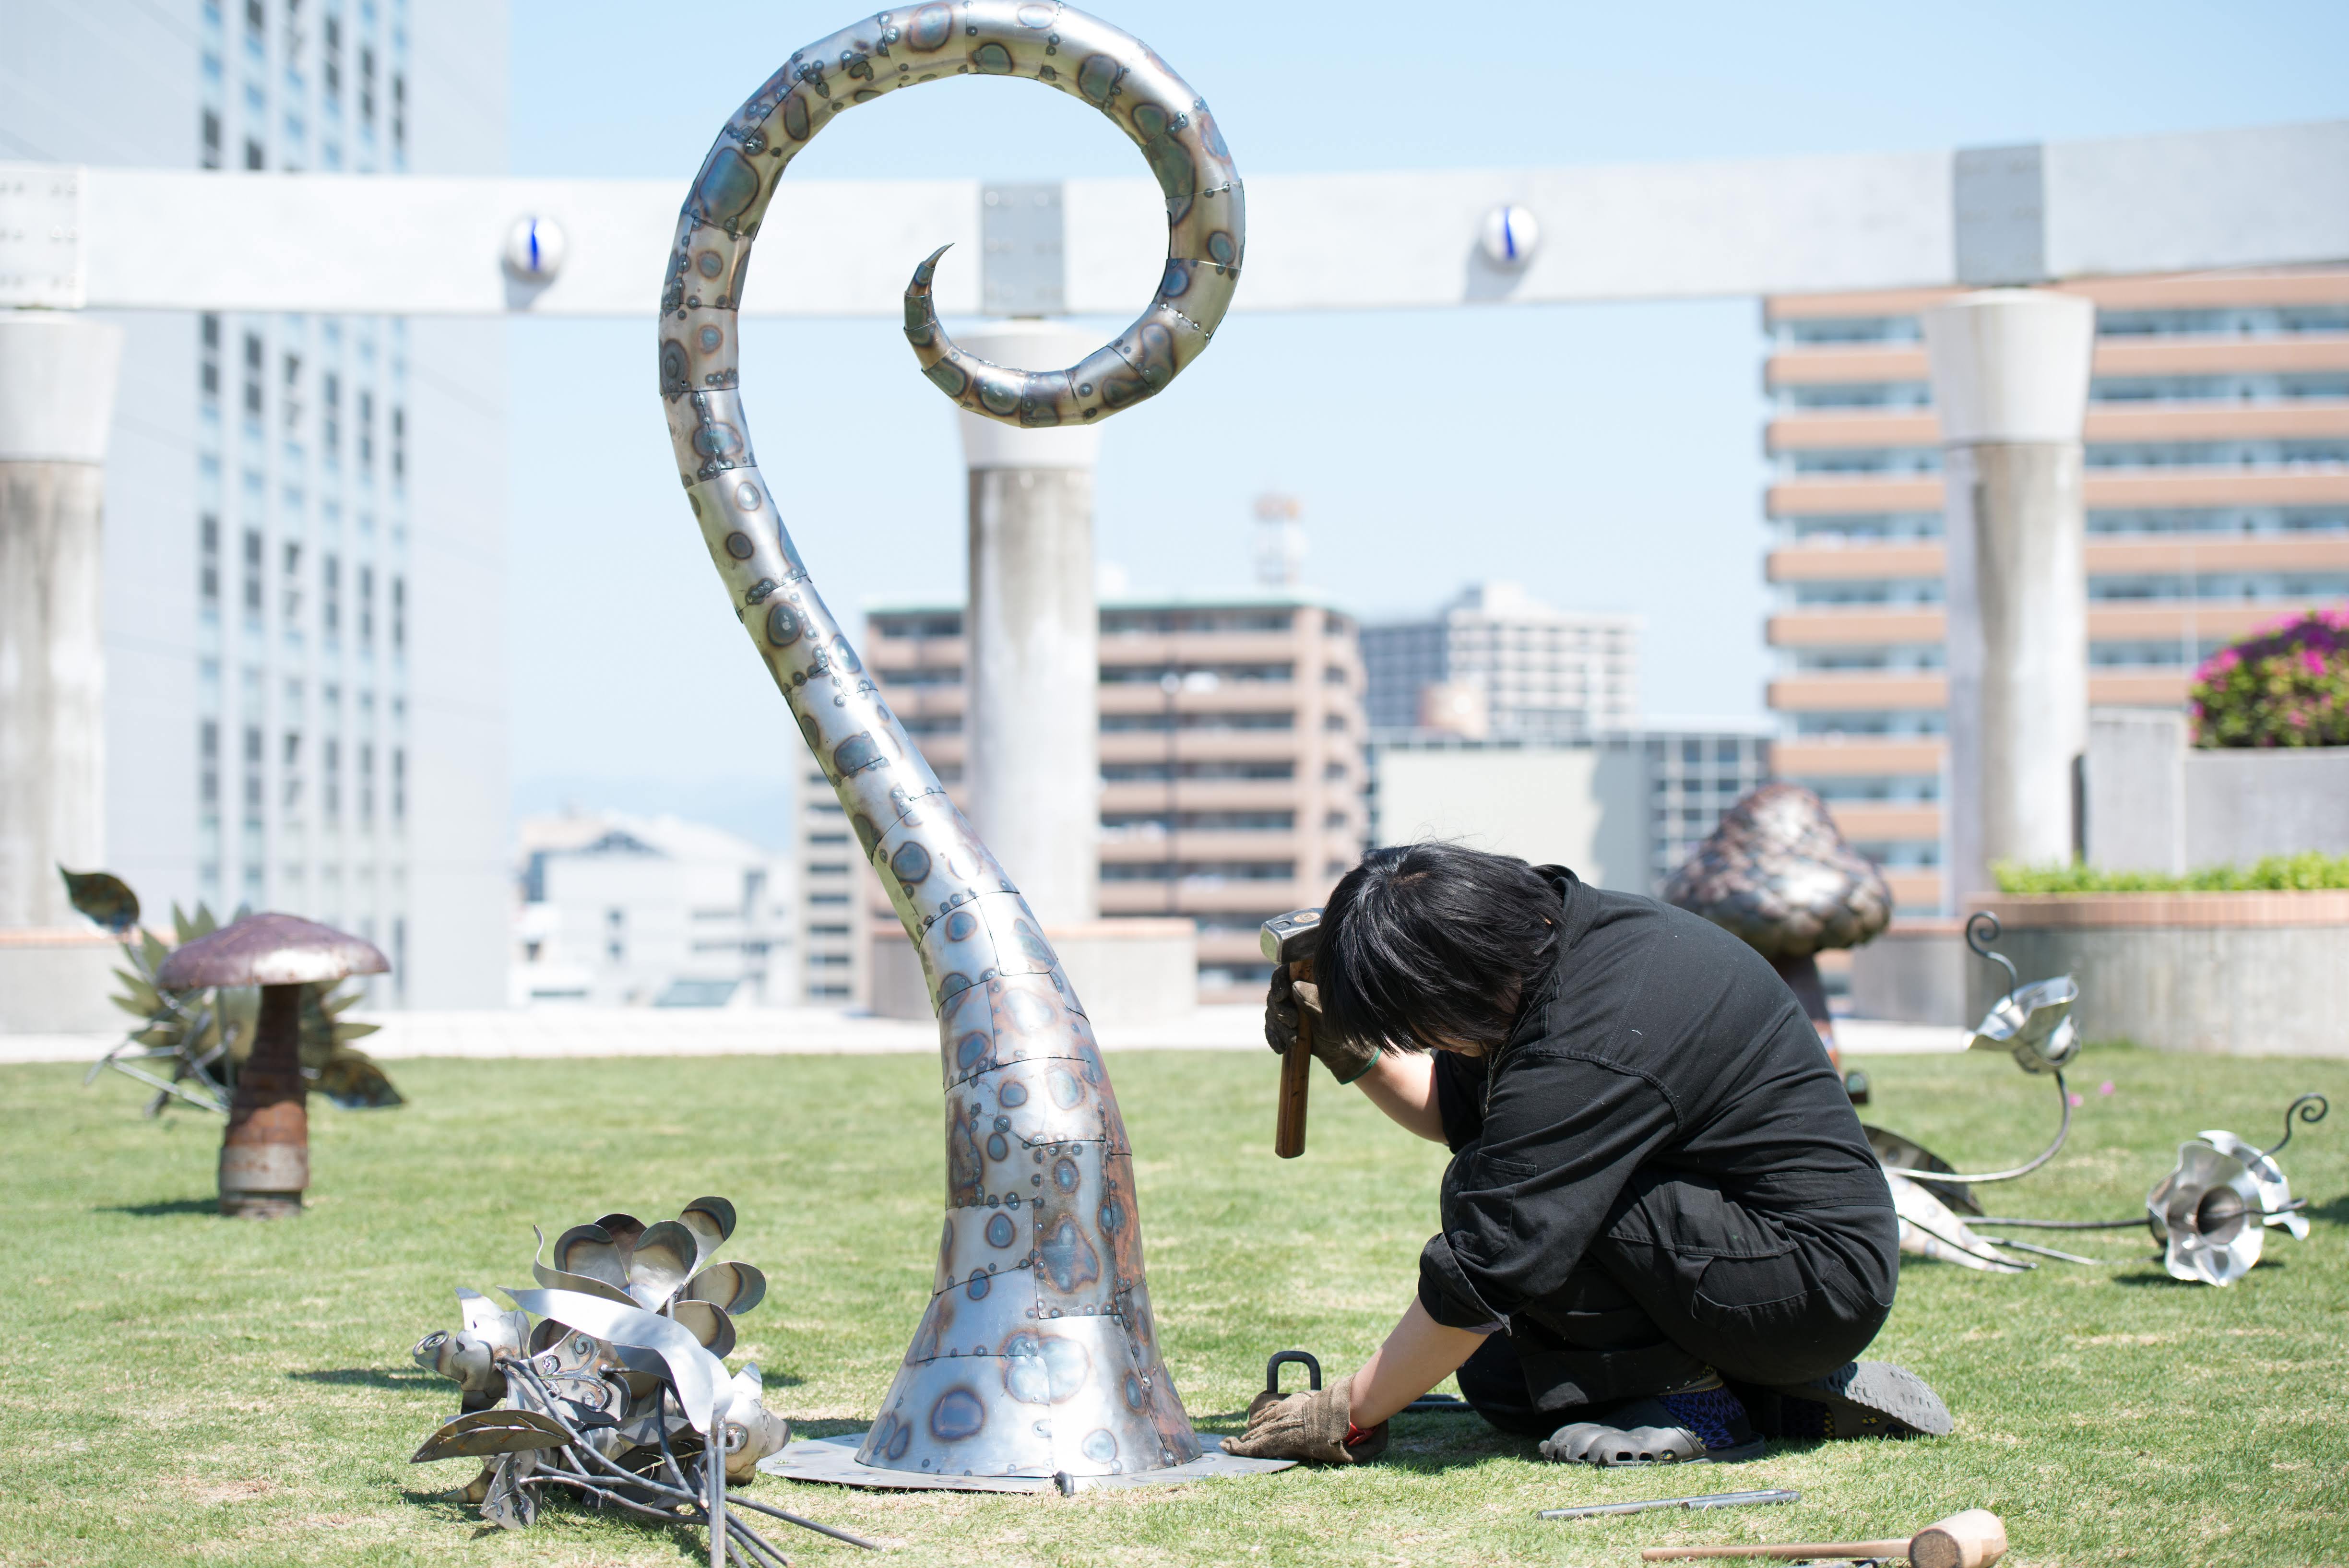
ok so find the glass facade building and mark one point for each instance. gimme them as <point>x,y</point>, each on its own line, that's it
<point>305,708</point>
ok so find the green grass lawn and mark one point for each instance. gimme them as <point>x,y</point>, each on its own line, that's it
<point>175,1386</point>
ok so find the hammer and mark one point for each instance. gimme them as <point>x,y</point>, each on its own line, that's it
<point>1974,1539</point>
<point>1290,940</point>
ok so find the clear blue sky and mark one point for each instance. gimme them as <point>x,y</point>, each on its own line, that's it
<point>1430,453</point>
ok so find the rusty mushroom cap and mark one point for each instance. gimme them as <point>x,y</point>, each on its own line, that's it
<point>269,950</point>
<point>1778,874</point>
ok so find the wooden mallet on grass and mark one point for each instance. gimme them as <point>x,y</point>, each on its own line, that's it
<point>1974,1539</point>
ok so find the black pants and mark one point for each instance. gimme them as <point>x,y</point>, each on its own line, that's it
<point>1683,1279</point>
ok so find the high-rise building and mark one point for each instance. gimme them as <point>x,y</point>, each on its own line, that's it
<point>620,910</point>
<point>1622,809</point>
<point>2217,493</point>
<point>1496,661</point>
<point>1231,760</point>
<point>304,514</point>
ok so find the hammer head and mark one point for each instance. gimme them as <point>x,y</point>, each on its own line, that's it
<point>1291,938</point>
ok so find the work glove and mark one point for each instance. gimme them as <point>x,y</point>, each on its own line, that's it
<point>1310,1426</point>
<point>1346,1059</point>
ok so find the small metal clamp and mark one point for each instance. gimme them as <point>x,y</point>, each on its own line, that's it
<point>1302,1358</point>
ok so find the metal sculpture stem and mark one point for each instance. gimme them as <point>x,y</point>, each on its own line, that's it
<point>2062,1131</point>
<point>1039,1353</point>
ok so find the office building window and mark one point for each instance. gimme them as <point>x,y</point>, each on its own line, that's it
<point>398,783</point>
<point>366,429</point>
<point>330,415</point>
<point>367,784</point>
<point>292,604</point>
<point>253,775</point>
<point>208,765</point>
<point>291,769</point>
<point>252,571</point>
<point>332,69</point>
<point>331,783</point>
<point>398,444</point>
<point>367,606</point>
<point>252,375</point>
<point>208,561</point>
<point>400,615</point>
<point>366,85</point>
<point>330,601</point>
<point>293,391</point>
<point>210,126</point>
<point>253,158</point>
<point>208,342</point>
<point>399,112</point>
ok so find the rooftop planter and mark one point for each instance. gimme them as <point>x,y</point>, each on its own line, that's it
<point>2231,961</point>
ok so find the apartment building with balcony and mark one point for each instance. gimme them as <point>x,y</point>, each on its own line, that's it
<point>2217,495</point>
<point>1231,760</point>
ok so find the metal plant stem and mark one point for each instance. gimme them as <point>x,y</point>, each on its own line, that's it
<point>264,1161</point>
<point>1039,1353</point>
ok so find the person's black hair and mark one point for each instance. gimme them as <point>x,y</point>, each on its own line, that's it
<point>1425,944</point>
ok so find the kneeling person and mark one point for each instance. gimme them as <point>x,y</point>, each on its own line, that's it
<point>1664,1235</point>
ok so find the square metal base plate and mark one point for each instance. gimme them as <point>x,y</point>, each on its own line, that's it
<point>833,1459</point>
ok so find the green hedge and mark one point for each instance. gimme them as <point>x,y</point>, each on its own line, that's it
<point>2277,873</point>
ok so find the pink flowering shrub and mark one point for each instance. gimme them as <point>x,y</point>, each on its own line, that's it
<point>2286,685</point>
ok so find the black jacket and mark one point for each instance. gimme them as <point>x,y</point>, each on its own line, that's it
<point>1655,1040</point>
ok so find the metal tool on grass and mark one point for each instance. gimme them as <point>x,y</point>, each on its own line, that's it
<point>1649,1505</point>
<point>1974,1539</point>
<point>1291,940</point>
<point>1425,1405</point>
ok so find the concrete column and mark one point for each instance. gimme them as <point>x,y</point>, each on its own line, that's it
<point>1033,631</point>
<point>2009,371</point>
<point>56,398</point>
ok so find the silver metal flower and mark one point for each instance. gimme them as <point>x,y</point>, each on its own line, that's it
<point>2033,1025</point>
<point>2207,1212</point>
<point>620,1385</point>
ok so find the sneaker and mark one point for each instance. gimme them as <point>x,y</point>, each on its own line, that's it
<point>1860,1399</point>
<point>1693,1426</point>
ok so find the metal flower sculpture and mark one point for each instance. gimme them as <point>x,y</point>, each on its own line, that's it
<point>620,1392</point>
<point>2210,1214</point>
<point>2033,1023</point>
<point>191,1043</point>
<point>1038,1355</point>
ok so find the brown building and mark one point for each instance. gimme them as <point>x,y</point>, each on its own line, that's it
<point>1232,772</point>
<point>2218,499</point>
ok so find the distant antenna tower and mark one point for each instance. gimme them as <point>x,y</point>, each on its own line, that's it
<point>1279,541</point>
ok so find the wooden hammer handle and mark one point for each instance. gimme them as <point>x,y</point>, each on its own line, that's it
<point>1811,1549</point>
<point>1296,1079</point>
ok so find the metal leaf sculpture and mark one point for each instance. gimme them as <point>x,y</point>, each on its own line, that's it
<point>189,1042</point>
<point>1778,874</point>
<point>611,1397</point>
<point>1929,1230</point>
<point>1038,1355</point>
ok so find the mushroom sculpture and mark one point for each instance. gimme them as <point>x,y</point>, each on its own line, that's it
<point>1778,874</point>
<point>264,1164</point>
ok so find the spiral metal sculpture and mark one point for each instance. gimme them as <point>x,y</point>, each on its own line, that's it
<point>1038,1355</point>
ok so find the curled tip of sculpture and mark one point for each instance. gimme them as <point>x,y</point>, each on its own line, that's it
<point>926,271</point>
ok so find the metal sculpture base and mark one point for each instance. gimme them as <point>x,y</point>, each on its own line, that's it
<point>834,1461</point>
